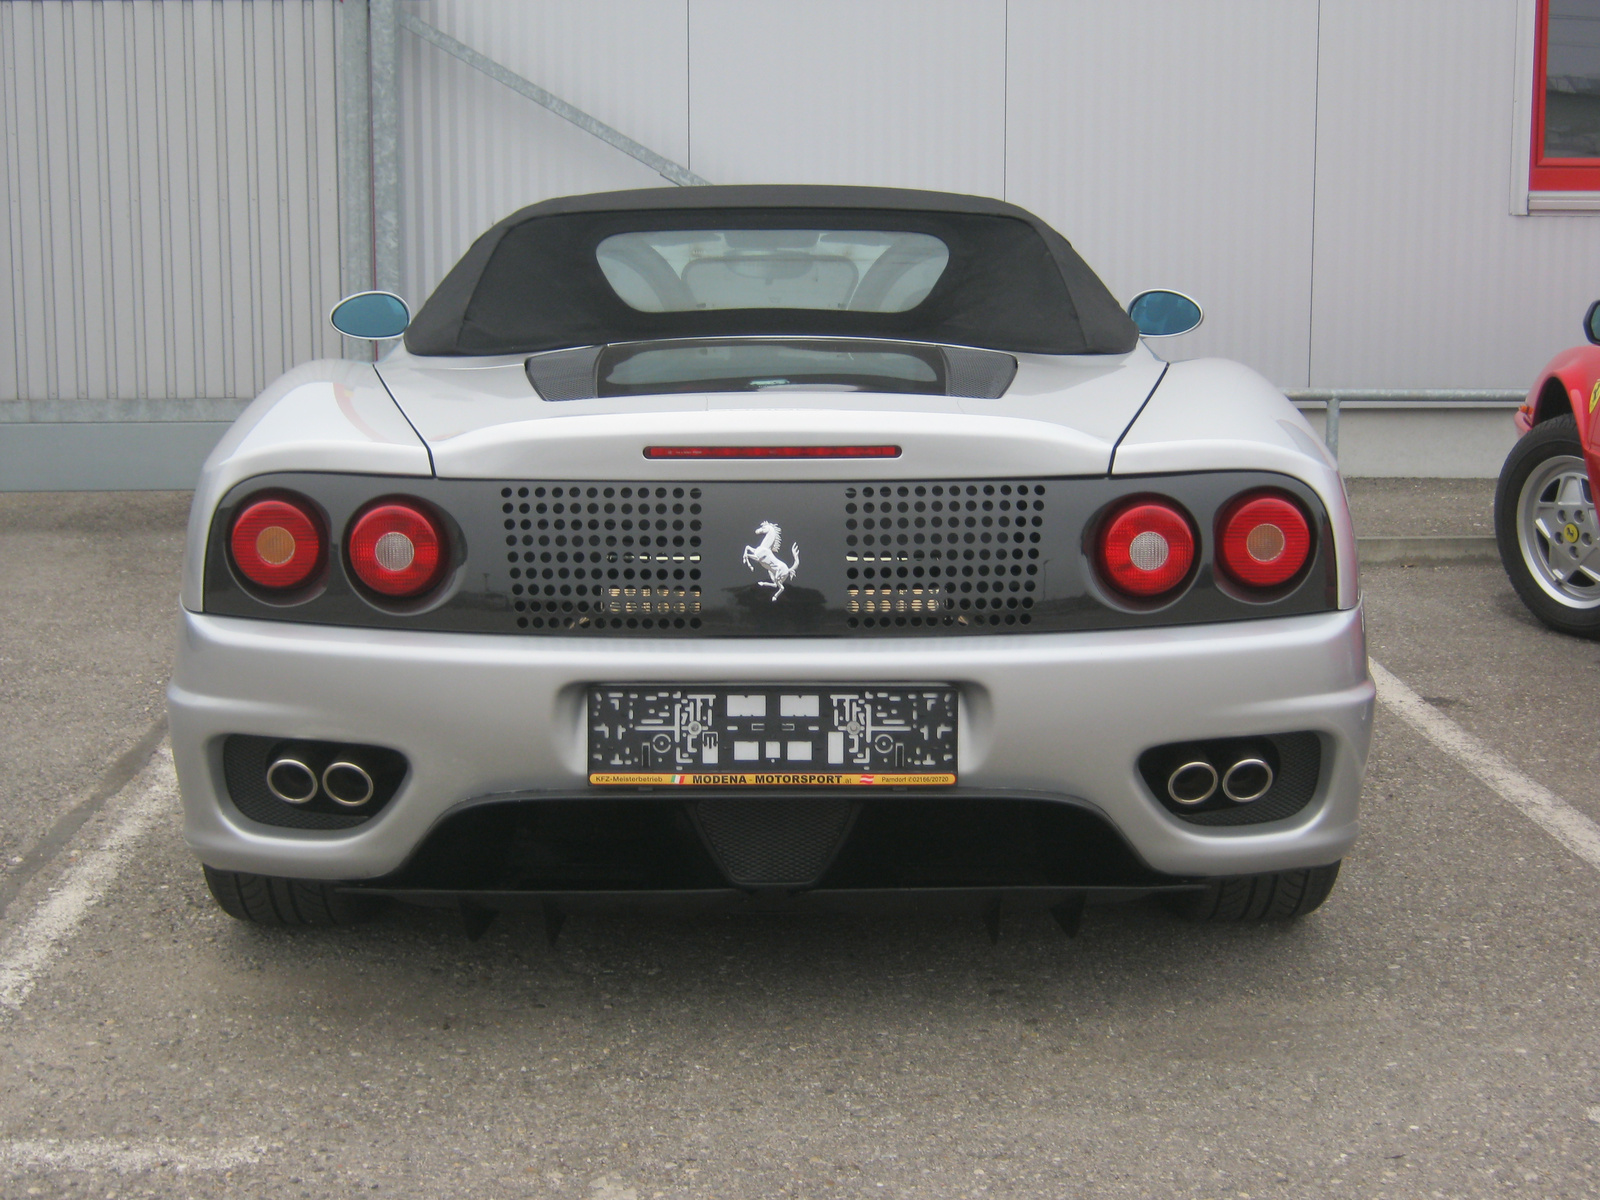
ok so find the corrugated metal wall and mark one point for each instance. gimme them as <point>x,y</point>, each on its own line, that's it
<point>169,191</point>
<point>1328,176</point>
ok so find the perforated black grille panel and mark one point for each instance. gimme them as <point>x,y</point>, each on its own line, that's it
<point>603,556</point>
<point>943,554</point>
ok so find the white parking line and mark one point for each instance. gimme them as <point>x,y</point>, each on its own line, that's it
<point>28,951</point>
<point>1538,803</point>
<point>124,1155</point>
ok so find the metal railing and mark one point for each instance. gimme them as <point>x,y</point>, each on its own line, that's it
<point>1334,399</point>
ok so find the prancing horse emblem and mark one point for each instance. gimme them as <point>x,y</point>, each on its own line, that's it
<point>765,554</point>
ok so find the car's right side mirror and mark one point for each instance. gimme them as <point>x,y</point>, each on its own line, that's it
<point>1591,323</point>
<point>1160,313</point>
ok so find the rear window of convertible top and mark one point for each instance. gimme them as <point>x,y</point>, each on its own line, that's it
<point>693,270</point>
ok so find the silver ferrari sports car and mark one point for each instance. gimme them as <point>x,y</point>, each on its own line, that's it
<point>795,545</point>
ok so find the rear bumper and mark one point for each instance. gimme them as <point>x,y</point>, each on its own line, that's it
<point>1063,715</point>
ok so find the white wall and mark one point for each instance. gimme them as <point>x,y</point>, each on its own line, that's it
<point>1422,279</point>
<point>1172,144</point>
<point>1329,177</point>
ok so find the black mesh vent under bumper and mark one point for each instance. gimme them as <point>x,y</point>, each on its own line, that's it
<point>763,842</point>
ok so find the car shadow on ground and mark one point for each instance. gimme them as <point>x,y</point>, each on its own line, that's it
<point>799,961</point>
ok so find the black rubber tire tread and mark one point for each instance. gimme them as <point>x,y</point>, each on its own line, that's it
<point>286,903</point>
<point>1559,435</point>
<point>1240,899</point>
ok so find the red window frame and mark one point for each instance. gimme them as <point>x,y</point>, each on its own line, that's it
<point>1553,174</point>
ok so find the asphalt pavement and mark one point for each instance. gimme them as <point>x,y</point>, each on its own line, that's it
<point>1430,1032</point>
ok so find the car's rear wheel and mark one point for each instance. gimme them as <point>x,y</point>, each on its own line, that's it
<point>1544,524</point>
<point>1279,896</point>
<point>268,900</point>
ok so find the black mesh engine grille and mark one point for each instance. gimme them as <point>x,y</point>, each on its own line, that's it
<point>773,842</point>
<point>603,556</point>
<point>914,561</point>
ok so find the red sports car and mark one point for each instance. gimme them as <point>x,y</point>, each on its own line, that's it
<point>1544,514</point>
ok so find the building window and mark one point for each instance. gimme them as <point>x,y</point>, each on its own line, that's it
<point>1566,97</point>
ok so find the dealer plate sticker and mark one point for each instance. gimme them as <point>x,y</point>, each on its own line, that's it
<point>742,735</point>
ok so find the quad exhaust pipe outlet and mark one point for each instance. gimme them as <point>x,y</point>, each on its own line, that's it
<point>1247,780</point>
<point>1193,782</point>
<point>292,781</point>
<point>1196,781</point>
<point>347,783</point>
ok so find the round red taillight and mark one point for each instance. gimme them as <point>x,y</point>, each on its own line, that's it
<point>1263,539</point>
<point>397,549</point>
<point>1146,548</point>
<point>277,543</point>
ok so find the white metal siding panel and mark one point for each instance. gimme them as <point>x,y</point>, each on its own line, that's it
<point>168,188</point>
<point>1422,278</point>
<point>472,151</point>
<point>901,93</point>
<point>1172,144</point>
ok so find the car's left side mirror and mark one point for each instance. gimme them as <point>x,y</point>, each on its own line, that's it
<point>1591,323</point>
<point>1160,313</point>
<point>371,315</point>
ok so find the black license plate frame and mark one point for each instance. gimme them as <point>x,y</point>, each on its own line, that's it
<point>757,735</point>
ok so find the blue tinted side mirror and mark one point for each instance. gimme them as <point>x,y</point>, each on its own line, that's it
<point>371,315</point>
<point>1591,323</point>
<point>1160,313</point>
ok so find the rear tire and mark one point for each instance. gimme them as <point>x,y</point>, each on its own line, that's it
<point>1280,896</point>
<point>287,903</point>
<point>1544,526</point>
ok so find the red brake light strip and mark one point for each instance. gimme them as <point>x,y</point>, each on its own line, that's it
<point>772,452</point>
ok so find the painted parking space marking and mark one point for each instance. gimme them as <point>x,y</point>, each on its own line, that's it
<point>124,1155</point>
<point>30,949</point>
<point>1536,802</point>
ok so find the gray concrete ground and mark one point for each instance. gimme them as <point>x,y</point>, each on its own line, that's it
<point>88,589</point>
<point>1422,507</point>
<point>1431,1032</point>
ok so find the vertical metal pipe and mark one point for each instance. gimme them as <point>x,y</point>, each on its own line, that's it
<point>1330,430</point>
<point>355,160</point>
<point>385,145</point>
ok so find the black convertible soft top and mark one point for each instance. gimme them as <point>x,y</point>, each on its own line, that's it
<point>533,282</point>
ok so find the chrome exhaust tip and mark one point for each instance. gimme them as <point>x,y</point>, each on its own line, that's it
<point>1247,780</point>
<point>291,781</point>
<point>1193,782</point>
<point>347,783</point>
